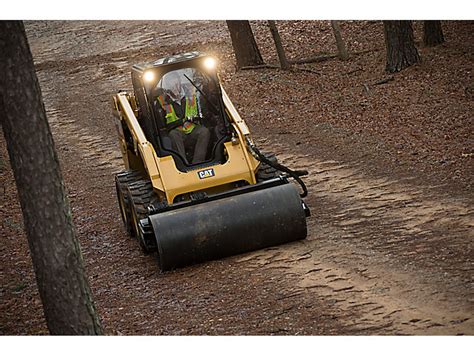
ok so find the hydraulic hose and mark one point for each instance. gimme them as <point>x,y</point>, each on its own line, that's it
<point>295,174</point>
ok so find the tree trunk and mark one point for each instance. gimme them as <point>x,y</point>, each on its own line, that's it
<point>341,46</point>
<point>401,50</point>
<point>57,259</point>
<point>279,47</point>
<point>432,33</point>
<point>245,48</point>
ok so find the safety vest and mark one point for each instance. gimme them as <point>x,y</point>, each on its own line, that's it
<point>191,110</point>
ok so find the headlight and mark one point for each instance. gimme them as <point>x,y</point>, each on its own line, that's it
<point>210,63</point>
<point>149,76</point>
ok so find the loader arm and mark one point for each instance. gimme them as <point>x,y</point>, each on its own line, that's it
<point>242,131</point>
<point>141,145</point>
<point>234,115</point>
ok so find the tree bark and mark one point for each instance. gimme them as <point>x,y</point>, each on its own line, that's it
<point>57,259</point>
<point>341,46</point>
<point>432,33</point>
<point>279,47</point>
<point>245,48</point>
<point>401,50</point>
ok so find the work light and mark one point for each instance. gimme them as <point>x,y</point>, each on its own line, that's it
<point>149,76</point>
<point>210,63</point>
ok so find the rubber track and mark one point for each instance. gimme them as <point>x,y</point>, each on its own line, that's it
<point>265,171</point>
<point>141,193</point>
<point>122,180</point>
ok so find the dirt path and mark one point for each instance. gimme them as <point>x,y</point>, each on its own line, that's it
<point>385,248</point>
<point>385,254</point>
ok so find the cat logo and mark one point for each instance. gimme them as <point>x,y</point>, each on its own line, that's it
<point>206,173</point>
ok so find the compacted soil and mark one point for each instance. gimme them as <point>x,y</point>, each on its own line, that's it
<point>390,160</point>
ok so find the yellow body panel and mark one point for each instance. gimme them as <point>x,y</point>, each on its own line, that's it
<point>166,179</point>
<point>176,182</point>
<point>242,126</point>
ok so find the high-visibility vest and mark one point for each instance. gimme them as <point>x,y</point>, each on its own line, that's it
<point>191,107</point>
<point>191,110</point>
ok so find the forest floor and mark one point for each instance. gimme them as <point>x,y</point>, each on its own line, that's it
<point>390,240</point>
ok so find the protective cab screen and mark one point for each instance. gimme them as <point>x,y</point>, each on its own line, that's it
<point>186,102</point>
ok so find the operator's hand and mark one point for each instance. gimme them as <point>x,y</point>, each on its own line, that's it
<point>193,119</point>
<point>196,119</point>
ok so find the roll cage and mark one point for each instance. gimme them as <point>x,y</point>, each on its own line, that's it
<point>153,80</point>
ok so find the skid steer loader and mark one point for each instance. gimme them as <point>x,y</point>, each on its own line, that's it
<point>196,187</point>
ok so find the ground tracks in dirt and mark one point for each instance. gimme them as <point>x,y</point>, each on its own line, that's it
<point>91,149</point>
<point>395,254</point>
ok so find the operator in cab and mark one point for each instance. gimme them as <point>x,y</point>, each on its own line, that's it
<point>183,113</point>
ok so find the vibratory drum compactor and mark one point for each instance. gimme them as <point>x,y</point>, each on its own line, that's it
<point>196,187</point>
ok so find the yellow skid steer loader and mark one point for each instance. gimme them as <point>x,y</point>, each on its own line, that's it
<point>196,187</point>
